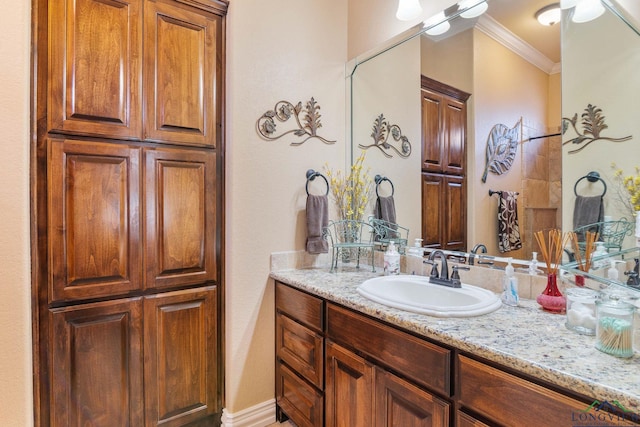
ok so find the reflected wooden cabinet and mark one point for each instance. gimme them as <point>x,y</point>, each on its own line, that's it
<point>444,213</point>
<point>145,70</point>
<point>444,123</point>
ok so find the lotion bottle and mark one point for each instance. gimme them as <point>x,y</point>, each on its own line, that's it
<point>533,265</point>
<point>416,249</point>
<point>391,260</point>
<point>510,286</point>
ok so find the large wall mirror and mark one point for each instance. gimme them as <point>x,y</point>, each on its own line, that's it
<point>521,75</point>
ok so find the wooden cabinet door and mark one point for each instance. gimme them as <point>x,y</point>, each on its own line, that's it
<point>95,58</point>
<point>96,364</point>
<point>182,74</point>
<point>433,202</point>
<point>454,136</point>
<point>180,194</point>
<point>455,213</point>
<point>444,217</point>
<point>348,389</point>
<point>95,238</point>
<point>433,150</point>
<point>399,403</point>
<point>181,357</point>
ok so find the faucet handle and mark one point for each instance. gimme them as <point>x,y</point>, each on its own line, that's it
<point>434,268</point>
<point>454,271</point>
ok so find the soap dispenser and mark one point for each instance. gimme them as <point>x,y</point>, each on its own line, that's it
<point>599,260</point>
<point>416,250</point>
<point>533,265</point>
<point>510,286</point>
<point>391,260</point>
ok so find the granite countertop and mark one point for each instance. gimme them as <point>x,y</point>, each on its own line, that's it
<point>524,338</point>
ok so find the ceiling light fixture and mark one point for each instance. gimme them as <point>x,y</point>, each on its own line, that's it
<point>587,10</point>
<point>549,14</point>
<point>408,10</point>
<point>473,8</point>
<point>439,25</point>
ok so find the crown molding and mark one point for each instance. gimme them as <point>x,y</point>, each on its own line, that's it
<point>499,33</point>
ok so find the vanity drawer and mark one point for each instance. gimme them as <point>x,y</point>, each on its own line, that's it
<point>303,307</point>
<point>425,363</point>
<point>302,403</point>
<point>502,397</point>
<point>300,348</point>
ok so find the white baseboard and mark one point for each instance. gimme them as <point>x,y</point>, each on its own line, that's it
<point>260,415</point>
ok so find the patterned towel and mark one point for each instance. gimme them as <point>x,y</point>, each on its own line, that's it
<point>508,228</point>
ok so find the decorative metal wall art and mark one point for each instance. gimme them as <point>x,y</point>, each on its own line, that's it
<point>382,130</point>
<point>307,119</point>
<point>592,124</point>
<point>502,146</point>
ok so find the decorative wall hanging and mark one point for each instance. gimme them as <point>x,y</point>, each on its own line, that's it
<point>382,130</point>
<point>592,124</point>
<point>308,124</point>
<point>502,146</point>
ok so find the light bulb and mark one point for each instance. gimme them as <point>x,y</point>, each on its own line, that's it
<point>472,11</point>
<point>549,15</point>
<point>408,9</point>
<point>441,25</point>
<point>587,10</point>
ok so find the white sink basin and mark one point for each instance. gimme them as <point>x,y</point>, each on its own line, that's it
<point>415,293</point>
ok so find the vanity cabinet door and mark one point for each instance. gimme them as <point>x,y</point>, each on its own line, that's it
<point>400,403</point>
<point>444,223</point>
<point>348,389</point>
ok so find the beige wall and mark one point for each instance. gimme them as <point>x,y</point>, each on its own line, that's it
<point>600,68</point>
<point>277,50</point>
<point>16,407</point>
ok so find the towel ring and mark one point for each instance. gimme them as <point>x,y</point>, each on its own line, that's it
<point>311,175</point>
<point>379,179</point>
<point>591,177</point>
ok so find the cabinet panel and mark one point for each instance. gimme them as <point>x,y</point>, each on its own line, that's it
<point>502,397</point>
<point>465,420</point>
<point>427,364</point>
<point>94,224</point>
<point>455,214</point>
<point>302,403</point>
<point>432,139</point>
<point>180,336</point>
<point>181,73</point>
<point>399,403</point>
<point>95,67</point>
<point>180,190</point>
<point>455,124</point>
<point>301,306</point>
<point>96,364</point>
<point>349,388</point>
<point>433,202</point>
<point>300,348</point>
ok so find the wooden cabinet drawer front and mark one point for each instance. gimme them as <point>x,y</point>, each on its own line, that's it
<point>423,362</point>
<point>302,307</point>
<point>503,397</point>
<point>300,348</point>
<point>302,403</point>
<point>465,420</point>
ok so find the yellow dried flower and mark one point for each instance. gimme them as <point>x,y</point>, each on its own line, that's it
<point>351,192</point>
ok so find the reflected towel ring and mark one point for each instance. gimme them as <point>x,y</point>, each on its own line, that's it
<point>311,175</point>
<point>591,177</point>
<point>379,179</point>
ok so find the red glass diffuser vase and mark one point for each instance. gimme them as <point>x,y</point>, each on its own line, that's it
<point>551,299</point>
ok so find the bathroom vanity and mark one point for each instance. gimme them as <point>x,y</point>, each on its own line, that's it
<point>344,360</point>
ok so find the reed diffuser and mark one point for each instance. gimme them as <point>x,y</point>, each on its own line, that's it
<point>551,248</point>
<point>583,263</point>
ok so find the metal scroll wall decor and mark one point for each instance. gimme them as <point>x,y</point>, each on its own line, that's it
<point>592,124</point>
<point>502,146</point>
<point>307,119</point>
<point>382,130</point>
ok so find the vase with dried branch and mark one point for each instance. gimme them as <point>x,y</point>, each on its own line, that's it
<point>583,252</point>
<point>552,247</point>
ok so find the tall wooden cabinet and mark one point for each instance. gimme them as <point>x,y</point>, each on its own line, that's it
<point>127,191</point>
<point>444,123</point>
